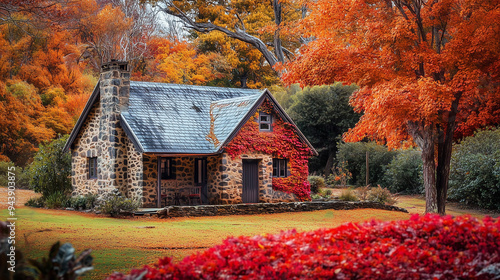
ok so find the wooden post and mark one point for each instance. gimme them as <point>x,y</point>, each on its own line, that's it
<point>158,185</point>
<point>367,168</point>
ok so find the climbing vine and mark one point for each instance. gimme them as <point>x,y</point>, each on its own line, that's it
<point>282,142</point>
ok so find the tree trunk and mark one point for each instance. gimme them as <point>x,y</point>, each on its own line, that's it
<point>329,163</point>
<point>423,136</point>
<point>431,203</point>
<point>445,148</point>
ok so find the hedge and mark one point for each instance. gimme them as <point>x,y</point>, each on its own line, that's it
<point>423,247</point>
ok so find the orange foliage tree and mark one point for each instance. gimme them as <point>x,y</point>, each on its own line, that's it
<point>181,63</point>
<point>256,30</point>
<point>428,72</point>
<point>39,76</point>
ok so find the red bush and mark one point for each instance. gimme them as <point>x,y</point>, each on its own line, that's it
<point>423,247</point>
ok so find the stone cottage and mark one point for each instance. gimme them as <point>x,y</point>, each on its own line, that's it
<point>179,144</point>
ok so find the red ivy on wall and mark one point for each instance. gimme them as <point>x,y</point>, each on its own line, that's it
<point>282,142</point>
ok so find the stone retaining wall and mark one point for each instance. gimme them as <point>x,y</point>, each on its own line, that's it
<point>268,208</point>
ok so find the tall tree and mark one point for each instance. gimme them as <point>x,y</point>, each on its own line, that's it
<point>423,67</point>
<point>243,20</point>
<point>323,114</point>
<point>114,29</point>
<point>39,75</point>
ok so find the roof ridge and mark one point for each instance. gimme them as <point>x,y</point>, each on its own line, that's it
<point>194,86</point>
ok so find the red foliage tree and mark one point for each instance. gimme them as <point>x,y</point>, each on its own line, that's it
<point>428,71</point>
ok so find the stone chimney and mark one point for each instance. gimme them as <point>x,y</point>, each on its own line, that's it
<point>115,78</point>
<point>114,99</point>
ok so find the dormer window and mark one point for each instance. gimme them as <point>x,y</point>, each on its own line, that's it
<point>265,122</point>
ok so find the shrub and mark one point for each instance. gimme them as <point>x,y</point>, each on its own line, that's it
<point>404,174</point>
<point>340,175</point>
<point>115,204</point>
<point>55,200</point>
<point>80,202</point>
<point>423,247</point>
<point>355,156</point>
<point>348,195</point>
<point>475,170</point>
<point>51,169</point>
<point>381,195</point>
<point>316,196</point>
<point>35,202</point>
<point>328,193</point>
<point>362,192</point>
<point>317,183</point>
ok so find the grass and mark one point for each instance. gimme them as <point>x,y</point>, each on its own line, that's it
<point>122,244</point>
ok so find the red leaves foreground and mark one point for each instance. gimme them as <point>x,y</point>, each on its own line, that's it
<point>423,247</point>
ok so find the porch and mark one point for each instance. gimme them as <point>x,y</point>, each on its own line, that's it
<point>178,180</point>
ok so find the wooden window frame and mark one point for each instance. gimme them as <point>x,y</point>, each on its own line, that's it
<point>92,164</point>
<point>279,165</point>
<point>268,122</point>
<point>167,168</point>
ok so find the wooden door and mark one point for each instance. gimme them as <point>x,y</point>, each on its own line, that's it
<point>250,181</point>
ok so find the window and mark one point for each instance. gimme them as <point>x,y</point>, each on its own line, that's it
<point>92,167</point>
<point>265,122</point>
<point>167,169</point>
<point>280,168</point>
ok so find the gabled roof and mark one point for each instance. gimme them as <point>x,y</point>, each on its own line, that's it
<point>184,119</point>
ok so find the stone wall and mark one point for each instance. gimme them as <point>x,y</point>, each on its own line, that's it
<point>85,146</point>
<point>119,164</point>
<point>269,208</point>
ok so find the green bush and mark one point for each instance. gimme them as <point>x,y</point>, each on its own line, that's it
<point>51,169</point>
<point>56,200</point>
<point>404,174</point>
<point>317,183</point>
<point>115,204</point>
<point>35,202</point>
<point>348,195</point>
<point>22,180</point>
<point>80,202</point>
<point>475,170</point>
<point>381,195</point>
<point>355,156</point>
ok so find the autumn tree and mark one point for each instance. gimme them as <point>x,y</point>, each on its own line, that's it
<point>426,70</point>
<point>39,75</point>
<point>181,63</point>
<point>259,24</point>
<point>114,29</point>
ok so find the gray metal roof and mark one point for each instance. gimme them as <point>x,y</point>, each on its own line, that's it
<point>171,118</point>
<point>178,119</point>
